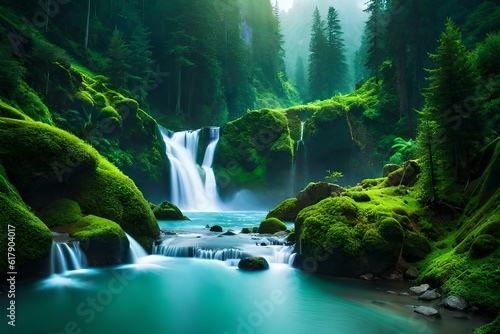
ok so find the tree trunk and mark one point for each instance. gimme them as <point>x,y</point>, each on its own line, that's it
<point>87,30</point>
<point>179,88</point>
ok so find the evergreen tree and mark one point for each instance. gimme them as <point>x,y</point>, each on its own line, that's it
<point>335,60</point>
<point>141,63</point>
<point>119,54</point>
<point>375,29</point>
<point>449,129</point>
<point>317,48</point>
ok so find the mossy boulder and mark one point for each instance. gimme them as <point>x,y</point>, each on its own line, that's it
<point>60,212</point>
<point>271,226</point>
<point>33,238</point>
<point>483,245</point>
<point>253,264</point>
<point>216,228</point>
<point>406,175</point>
<point>103,241</point>
<point>253,152</point>
<point>168,211</point>
<point>316,192</point>
<point>389,168</point>
<point>46,164</point>
<point>416,247</point>
<point>285,211</point>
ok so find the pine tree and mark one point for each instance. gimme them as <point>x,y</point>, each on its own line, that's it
<point>119,54</point>
<point>141,63</point>
<point>317,48</point>
<point>335,60</point>
<point>375,29</point>
<point>448,132</point>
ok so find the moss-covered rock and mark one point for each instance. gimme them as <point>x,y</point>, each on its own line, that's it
<point>271,226</point>
<point>483,245</point>
<point>60,212</point>
<point>254,151</point>
<point>253,264</point>
<point>168,211</point>
<point>416,247</point>
<point>32,238</point>
<point>285,211</point>
<point>45,164</point>
<point>406,175</point>
<point>103,241</point>
<point>315,192</point>
<point>216,228</point>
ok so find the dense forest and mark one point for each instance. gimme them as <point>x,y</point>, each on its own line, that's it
<point>322,88</point>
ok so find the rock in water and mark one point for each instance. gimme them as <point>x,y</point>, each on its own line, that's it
<point>429,295</point>
<point>253,264</point>
<point>428,311</point>
<point>454,303</point>
<point>419,289</point>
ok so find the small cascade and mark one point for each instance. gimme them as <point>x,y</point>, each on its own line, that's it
<point>223,254</point>
<point>135,250</point>
<point>66,256</point>
<point>299,167</point>
<point>285,254</point>
<point>189,189</point>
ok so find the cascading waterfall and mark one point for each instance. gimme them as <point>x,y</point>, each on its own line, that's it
<point>135,250</point>
<point>189,189</point>
<point>299,167</point>
<point>66,256</point>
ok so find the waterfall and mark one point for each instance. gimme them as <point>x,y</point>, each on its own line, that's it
<point>135,250</point>
<point>189,189</point>
<point>221,254</point>
<point>66,256</point>
<point>299,167</point>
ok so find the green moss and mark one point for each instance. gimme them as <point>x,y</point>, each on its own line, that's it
<point>416,246</point>
<point>254,150</point>
<point>491,328</point>
<point>168,211</point>
<point>483,245</point>
<point>285,211</point>
<point>96,228</point>
<point>271,226</point>
<point>10,112</point>
<point>32,238</point>
<point>31,104</point>
<point>216,228</point>
<point>359,196</point>
<point>391,230</point>
<point>60,212</point>
<point>85,98</point>
<point>373,241</point>
<point>342,237</point>
<point>49,163</point>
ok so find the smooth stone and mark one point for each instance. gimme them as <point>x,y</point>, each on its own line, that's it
<point>428,311</point>
<point>391,292</point>
<point>429,295</point>
<point>367,277</point>
<point>454,303</point>
<point>404,294</point>
<point>419,289</point>
<point>253,264</point>
<point>411,273</point>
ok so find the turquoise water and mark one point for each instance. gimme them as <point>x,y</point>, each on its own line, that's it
<point>186,295</point>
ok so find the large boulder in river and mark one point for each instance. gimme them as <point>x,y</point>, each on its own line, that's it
<point>168,211</point>
<point>103,241</point>
<point>271,226</point>
<point>428,311</point>
<point>253,264</point>
<point>454,303</point>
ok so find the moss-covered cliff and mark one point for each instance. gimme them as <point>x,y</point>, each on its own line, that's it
<point>46,164</point>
